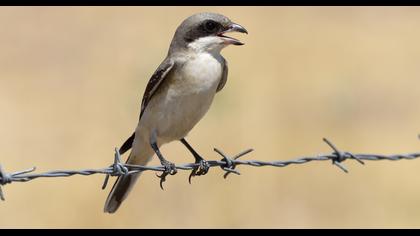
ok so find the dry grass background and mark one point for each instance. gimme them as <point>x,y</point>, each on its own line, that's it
<point>71,79</point>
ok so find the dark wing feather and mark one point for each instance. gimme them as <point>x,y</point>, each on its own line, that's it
<point>153,84</point>
<point>127,144</point>
<point>224,76</point>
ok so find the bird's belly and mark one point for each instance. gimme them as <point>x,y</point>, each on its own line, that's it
<point>183,102</point>
<point>183,113</point>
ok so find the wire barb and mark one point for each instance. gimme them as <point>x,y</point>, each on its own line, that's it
<point>5,179</point>
<point>118,168</point>
<point>228,164</point>
<point>341,156</point>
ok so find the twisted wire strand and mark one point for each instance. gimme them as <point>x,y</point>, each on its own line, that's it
<point>227,164</point>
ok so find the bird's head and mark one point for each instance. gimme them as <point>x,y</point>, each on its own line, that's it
<point>206,32</point>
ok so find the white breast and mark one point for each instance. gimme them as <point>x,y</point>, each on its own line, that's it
<point>187,98</point>
<point>202,72</point>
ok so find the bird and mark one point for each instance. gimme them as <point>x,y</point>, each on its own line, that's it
<point>177,96</point>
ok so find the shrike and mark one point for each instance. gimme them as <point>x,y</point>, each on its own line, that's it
<point>178,95</point>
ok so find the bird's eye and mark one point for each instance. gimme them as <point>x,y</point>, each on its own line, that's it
<point>210,26</point>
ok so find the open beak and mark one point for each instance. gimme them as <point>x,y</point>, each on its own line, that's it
<point>233,27</point>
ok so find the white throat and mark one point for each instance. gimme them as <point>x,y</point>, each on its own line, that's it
<point>209,44</point>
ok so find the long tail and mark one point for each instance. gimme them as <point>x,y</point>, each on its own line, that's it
<point>124,184</point>
<point>119,192</point>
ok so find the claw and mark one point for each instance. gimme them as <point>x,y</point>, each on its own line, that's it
<point>169,170</point>
<point>162,178</point>
<point>191,175</point>
<point>202,169</point>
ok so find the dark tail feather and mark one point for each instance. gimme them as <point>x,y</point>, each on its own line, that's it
<point>119,192</point>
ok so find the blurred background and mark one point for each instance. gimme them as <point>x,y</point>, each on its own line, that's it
<point>71,82</point>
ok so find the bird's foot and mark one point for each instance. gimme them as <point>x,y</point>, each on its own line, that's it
<point>202,169</point>
<point>170,169</point>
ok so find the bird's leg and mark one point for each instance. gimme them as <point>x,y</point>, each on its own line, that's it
<point>203,168</point>
<point>169,166</point>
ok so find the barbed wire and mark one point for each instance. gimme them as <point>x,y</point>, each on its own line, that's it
<point>228,164</point>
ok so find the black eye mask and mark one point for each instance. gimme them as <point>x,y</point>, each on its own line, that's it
<point>207,28</point>
<point>211,26</point>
